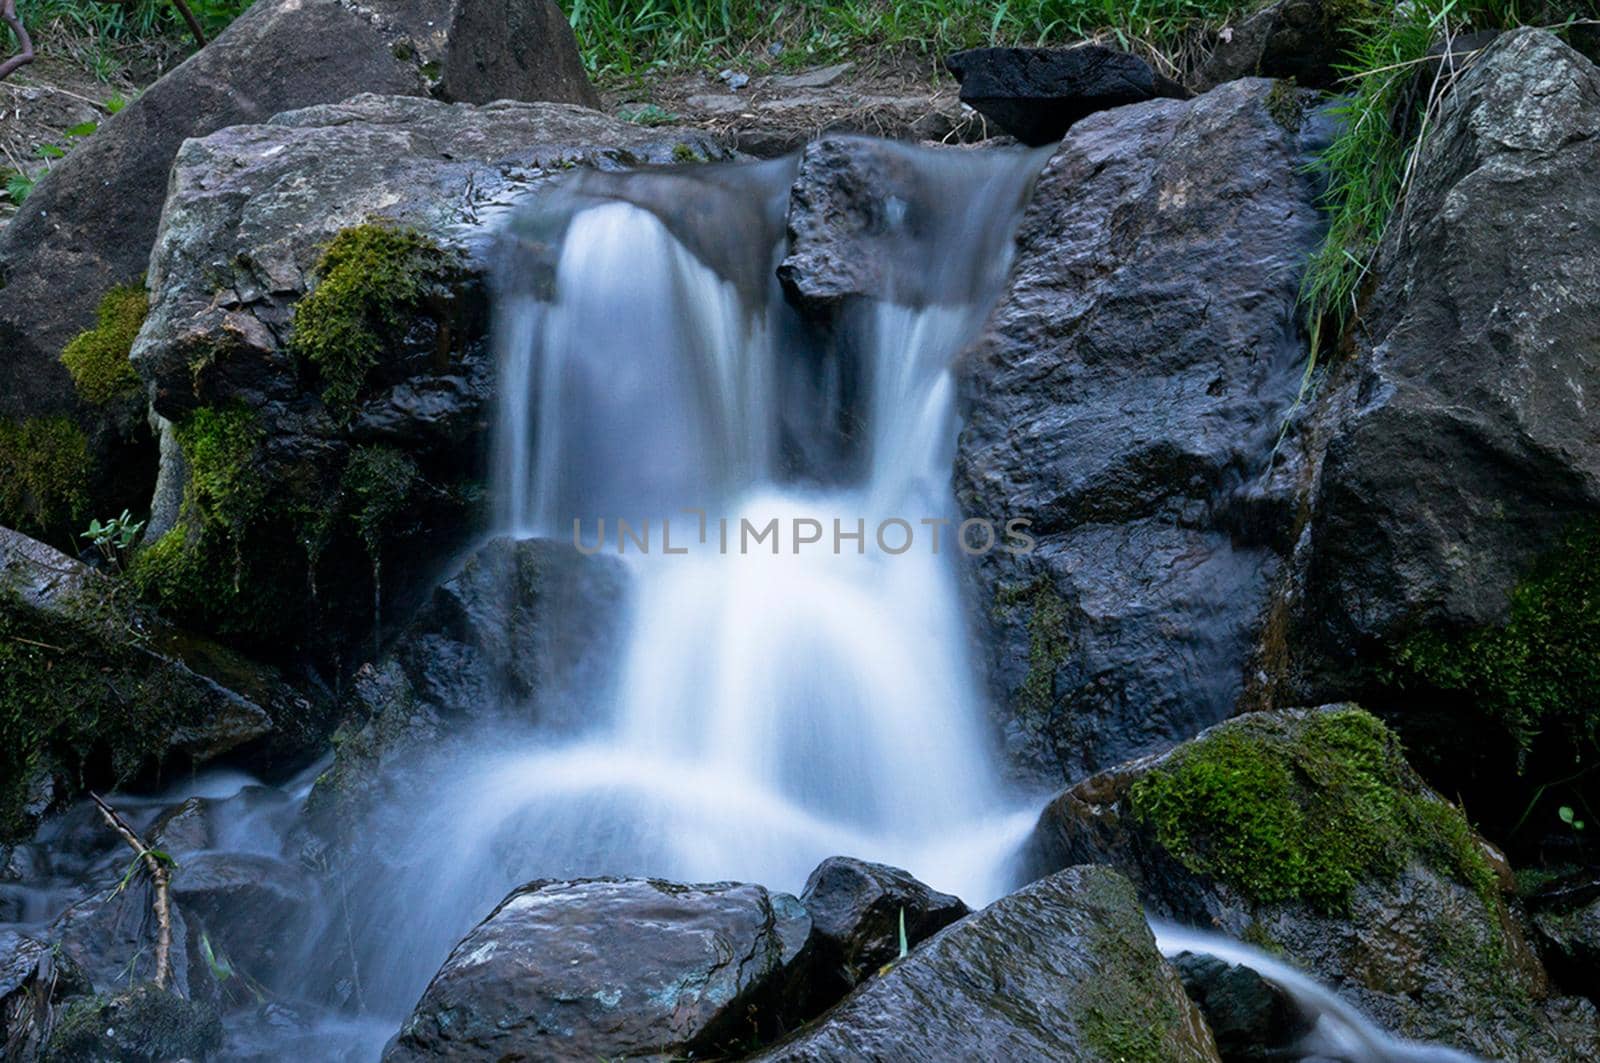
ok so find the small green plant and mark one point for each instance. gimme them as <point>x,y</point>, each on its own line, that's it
<point>115,539</point>
<point>904,948</point>
<point>1569,817</point>
<point>648,115</point>
<point>18,186</point>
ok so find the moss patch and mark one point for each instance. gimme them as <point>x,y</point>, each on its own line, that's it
<point>372,280</point>
<point>44,473</point>
<point>98,358</point>
<point>376,486</point>
<point>142,1023</point>
<point>1048,645</point>
<point>1287,810</point>
<point>1541,669</point>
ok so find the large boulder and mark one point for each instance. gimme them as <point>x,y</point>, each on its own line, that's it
<point>90,223</point>
<point>1126,397</point>
<point>97,691</point>
<point>859,912</point>
<point>1299,40</point>
<point>1036,94</point>
<point>34,981</point>
<point>1452,540</point>
<point>318,347</point>
<point>1065,968</point>
<point>141,1025</point>
<point>1306,832</point>
<point>611,968</point>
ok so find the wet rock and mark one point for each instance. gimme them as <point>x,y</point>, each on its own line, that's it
<point>1305,832</point>
<point>1036,94</point>
<point>609,968</point>
<point>75,241</point>
<point>111,937</point>
<point>373,466</point>
<point>856,910</point>
<point>101,691</point>
<point>1300,40</point>
<point>1126,399</point>
<point>1566,924</point>
<point>141,1025</point>
<point>1065,968</point>
<point>34,980</point>
<point>249,907</point>
<point>1252,1019</point>
<point>1461,454</point>
<point>524,628</point>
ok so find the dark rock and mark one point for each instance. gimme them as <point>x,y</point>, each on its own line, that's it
<point>525,628</point>
<point>1036,94</point>
<point>1252,1019</point>
<point>252,211</point>
<point>1566,924</point>
<point>250,907</point>
<point>1126,398</point>
<point>34,980</point>
<point>1460,446</point>
<point>1297,39</point>
<point>1306,833</point>
<point>609,968</point>
<point>142,1025</point>
<point>111,937</point>
<point>75,240</point>
<point>873,218</point>
<point>102,691</point>
<point>1065,968</point>
<point>856,910</point>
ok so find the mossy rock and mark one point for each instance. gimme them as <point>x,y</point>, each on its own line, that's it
<point>98,357</point>
<point>44,469</point>
<point>142,1025</point>
<point>1306,833</point>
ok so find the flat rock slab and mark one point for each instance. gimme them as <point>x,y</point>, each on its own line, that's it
<point>1036,94</point>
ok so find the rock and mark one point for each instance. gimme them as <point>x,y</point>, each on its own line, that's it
<point>1036,94</point>
<point>111,936</point>
<point>34,980</point>
<point>611,968</point>
<point>1126,398</point>
<point>142,1025</point>
<point>1300,40</point>
<point>1252,1019</point>
<point>353,451</point>
<point>856,910</point>
<point>252,908</point>
<point>1305,832</point>
<point>1566,924</point>
<point>1461,461</point>
<point>524,628</point>
<point>75,240</point>
<point>819,78</point>
<point>1062,969</point>
<point>100,691</point>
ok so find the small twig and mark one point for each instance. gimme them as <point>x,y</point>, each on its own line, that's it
<point>160,878</point>
<point>31,642</point>
<point>194,23</point>
<point>24,56</point>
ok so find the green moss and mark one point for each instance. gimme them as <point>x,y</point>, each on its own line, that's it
<point>1541,668</point>
<point>1129,1012</point>
<point>44,471</point>
<point>143,1023</point>
<point>76,688</point>
<point>376,486</point>
<point>372,280</point>
<point>685,153</point>
<point>1048,645</point>
<point>1289,811</point>
<point>98,358</point>
<point>1284,104</point>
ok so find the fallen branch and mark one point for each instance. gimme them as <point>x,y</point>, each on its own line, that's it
<point>24,56</point>
<point>160,879</point>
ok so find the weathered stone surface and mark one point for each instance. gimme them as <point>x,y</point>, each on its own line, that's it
<point>1126,399</point>
<point>89,224</point>
<point>34,980</point>
<point>1566,924</point>
<point>1464,444</point>
<point>1063,969</point>
<point>111,936</point>
<point>856,910</point>
<point>1252,1019</point>
<point>142,1025</point>
<point>1304,831</point>
<point>1296,39</point>
<point>1036,94</point>
<point>524,628</point>
<point>252,908</point>
<point>98,690</point>
<point>609,968</point>
<point>251,212</point>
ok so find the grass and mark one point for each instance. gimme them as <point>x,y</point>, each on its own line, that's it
<point>622,39</point>
<point>138,20</point>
